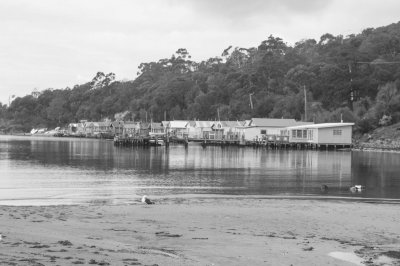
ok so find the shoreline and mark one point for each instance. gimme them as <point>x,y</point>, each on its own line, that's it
<point>361,146</point>
<point>27,202</point>
<point>203,231</point>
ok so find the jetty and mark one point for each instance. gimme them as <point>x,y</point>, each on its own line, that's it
<point>274,143</point>
<point>269,133</point>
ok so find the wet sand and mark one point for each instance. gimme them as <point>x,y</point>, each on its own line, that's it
<point>203,231</point>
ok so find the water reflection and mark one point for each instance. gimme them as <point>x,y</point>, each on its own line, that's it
<point>379,172</point>
<point>84,170</point>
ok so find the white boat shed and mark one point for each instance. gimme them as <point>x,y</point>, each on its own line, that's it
<point>263,128</point>
<point>325,134</point>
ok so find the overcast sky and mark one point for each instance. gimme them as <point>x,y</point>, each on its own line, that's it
<point>59,43</point>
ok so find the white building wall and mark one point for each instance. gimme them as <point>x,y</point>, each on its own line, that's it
<point>331,135</point>
<point>311,136</point>
<point>251,133</point>
<point>323,135</point>
<point>194,132</point>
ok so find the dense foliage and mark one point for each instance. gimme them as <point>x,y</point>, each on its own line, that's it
<point>355,78</point>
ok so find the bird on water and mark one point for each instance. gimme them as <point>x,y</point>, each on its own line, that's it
<point>146,200</point>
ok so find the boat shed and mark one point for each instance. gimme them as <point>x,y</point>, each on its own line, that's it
<point>325,134</point>
<point>200,129</point>
<point>179,128</point>
<point>266,128</point>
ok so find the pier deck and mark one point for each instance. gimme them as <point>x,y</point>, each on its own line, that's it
<point>150,141</point>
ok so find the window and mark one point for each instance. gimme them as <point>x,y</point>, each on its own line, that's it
<point>337,132</point>
<point>263,131</point>
<point>310,134</point>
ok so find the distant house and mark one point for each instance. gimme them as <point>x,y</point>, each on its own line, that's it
<point>227,129</point>
<point>102,129</point>
<point>179,129</point>
<point>200,129</point>
<point>117,128</point>
<point>80,129</point>
<point>267,128</point>
<point>88,129</point>
<point>322,134</point>
<point>135,129</point>
<point>131,129</point>
<point>72,128</point>
<point>144,129</point>
<point>156,129</point>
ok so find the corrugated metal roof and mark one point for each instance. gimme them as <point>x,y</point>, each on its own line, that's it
<point>231,123</point>
<point>274,122</point>
<point>103,124</point>
<point>204,124</point>
<point>322,125</point>
<point>178,124</point>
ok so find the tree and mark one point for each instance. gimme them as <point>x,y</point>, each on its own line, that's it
<point>102,80</point>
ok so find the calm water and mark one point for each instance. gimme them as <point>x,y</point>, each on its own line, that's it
<point>36,170</point>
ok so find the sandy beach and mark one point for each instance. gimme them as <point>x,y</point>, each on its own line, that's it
<point>204,230</point>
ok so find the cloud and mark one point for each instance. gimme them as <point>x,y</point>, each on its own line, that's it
<point>238,9</point>
<point>58,43</point>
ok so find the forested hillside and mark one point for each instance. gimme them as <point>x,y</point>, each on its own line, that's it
<point>356,77</point>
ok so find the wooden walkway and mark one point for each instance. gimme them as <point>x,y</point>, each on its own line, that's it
<point>148,141</point>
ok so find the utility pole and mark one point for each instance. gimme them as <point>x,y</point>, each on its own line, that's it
<point>305,103</point>
<point>354,91</point>
<point>218,114</point>
<point>251,101</point>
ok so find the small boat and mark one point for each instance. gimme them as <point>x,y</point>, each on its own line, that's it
<point>357,188</point>
<point>156,142</point>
